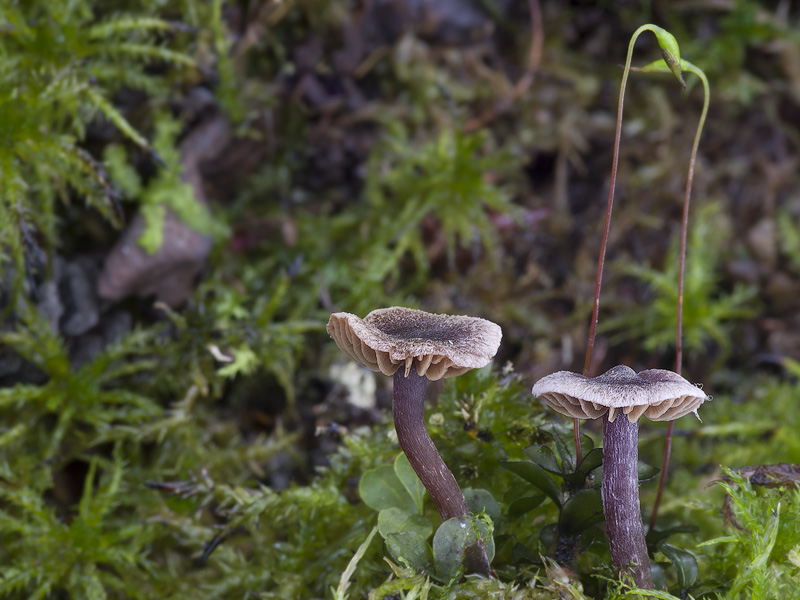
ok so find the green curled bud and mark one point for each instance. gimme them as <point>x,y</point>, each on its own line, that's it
<point>670,51</point>
<point>674,65</point>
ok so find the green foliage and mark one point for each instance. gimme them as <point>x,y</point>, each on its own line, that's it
<point>444,182</point>
<point>172,475</point>
<point>761,560</point>
<point>445,178</point>
<point>60,65</point>
<point>743,27</point>
<point>398,494</point>
<point>709,312</point>
<point>86,403</point>
<point>96,552</point>
<point>395,487</point>
<point>166,191</point>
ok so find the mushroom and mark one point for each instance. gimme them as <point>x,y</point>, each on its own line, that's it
<point>412,345</point>
<point>657,394</point>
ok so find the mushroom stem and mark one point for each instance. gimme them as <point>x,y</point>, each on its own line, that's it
<point>409,421</point>
<point>408,408</point>
<point>620,492</point>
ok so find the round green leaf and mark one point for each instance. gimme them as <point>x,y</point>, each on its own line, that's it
<point>405,473</point>
<point>380,488</point>
<point>659,575</point>
<point>646,472</point>
<point>591,460</point>
<point>655,536</point>
<point>396,520</point>
<point>452,538</point>
<point>411,549</point>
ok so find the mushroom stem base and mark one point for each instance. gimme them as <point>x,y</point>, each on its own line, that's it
<point>408,408</point>
<point>620,491</point>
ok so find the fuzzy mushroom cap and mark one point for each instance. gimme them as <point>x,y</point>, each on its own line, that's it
<point>437,345</point>
<point>657,394</point>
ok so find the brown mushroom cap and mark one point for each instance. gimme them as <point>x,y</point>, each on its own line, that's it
<point>657,394</point>
<point>437,345</point>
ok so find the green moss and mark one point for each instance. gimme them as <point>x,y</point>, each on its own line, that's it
<point>146,471</point>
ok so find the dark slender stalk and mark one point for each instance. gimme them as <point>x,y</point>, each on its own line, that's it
<point>409,421</point>
<point>408,408</point>
<point>687,196</point>
<point>620,492</point>
<point>612,186</point>
<point>601,260</point>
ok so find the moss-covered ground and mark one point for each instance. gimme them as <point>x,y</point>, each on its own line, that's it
<point>188,189</point>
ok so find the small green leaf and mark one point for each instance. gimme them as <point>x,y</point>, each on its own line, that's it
<point>535,475</point>
<point>646,472</point>
<point>396,520</point>
<point>659,576</point>
<point>684,562</point>
<point>577,479</point>
<point>452,538</point>
<point>405,473</point>
<point>380,488</point>
<point>479,500</point>
<point>591,461</point>
<point>524,505</point>
<point>411,549</point>
<point>565,444</point>
<point>654,536</point>
<point>544,457</point>
<point>581,511</point>
<point>548,535</point>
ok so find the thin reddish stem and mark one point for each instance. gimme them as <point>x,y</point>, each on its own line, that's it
<point>681,278</point>
<point>601,261</point>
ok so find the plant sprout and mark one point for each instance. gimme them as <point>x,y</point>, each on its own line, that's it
<point>625,530</point>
